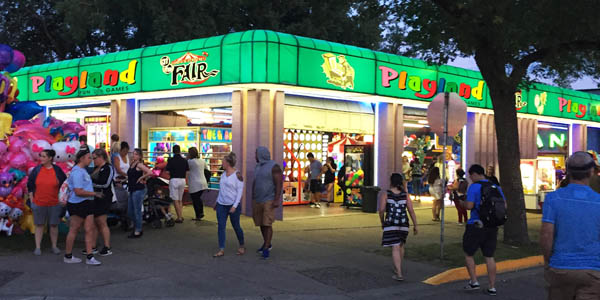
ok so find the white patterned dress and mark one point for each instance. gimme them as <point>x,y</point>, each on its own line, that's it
<point>395,228</point>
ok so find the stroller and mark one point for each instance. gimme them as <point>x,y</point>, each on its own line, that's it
<point>117,213</point>
<point>157,199</point>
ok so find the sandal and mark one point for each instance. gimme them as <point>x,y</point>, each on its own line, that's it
<point>241,251</point>
<point>219,254</point>
<point>398,278</point>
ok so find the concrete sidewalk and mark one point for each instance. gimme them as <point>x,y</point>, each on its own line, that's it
<point>313,258</point>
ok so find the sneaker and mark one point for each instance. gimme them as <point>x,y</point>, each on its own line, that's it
<point>491,292</point>
<point>37,252</point>
<point>94,251</point>
<point>105,252</point>
<point>266,253</point>
<point>312,205</point>
<point>72,260</point>
<point>318,205</point>
<point>472,286</point>
<point>55,250</point>
<point>262,248</point>
<point>92,261</point>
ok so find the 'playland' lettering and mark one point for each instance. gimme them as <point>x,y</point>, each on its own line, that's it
<point>572,107</point>
<point>94,79</point>
<point>427,88</point>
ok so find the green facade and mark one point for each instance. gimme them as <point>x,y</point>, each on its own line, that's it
<point>261,56</point>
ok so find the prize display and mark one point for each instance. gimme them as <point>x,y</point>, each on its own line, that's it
<point>215,144</point>
<point>98,130</point>
<point>297,144</point>
<point>357,160</point>
<point>162,140</point>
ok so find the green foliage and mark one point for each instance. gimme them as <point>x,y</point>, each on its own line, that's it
<point>553,39</point>
<point>51,30</point>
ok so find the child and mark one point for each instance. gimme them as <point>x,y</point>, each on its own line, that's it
<point>393,208</point>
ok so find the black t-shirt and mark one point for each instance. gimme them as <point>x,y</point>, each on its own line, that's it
<point>177,166</point>
<point>102,181</point>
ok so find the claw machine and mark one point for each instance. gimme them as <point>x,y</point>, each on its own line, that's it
<point>215,143</point>
<point>359,172</point>
<point>161,140</point>
<point>539,178</point>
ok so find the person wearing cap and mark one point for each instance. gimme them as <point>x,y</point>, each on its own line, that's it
<point>570,234</point>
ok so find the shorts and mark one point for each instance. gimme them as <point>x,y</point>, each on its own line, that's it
<point>263,213</point>
<point>315,186</point>
<point>176,188</point>
<point>572,284</point>
<point>484,238</point>
<point>102,206</point>
<point>82,209</point>
<point>43,215</point>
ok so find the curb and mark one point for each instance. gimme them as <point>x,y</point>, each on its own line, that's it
<point>461,273</point>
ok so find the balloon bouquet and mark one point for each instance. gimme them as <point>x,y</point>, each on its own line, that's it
<point>21,141</point>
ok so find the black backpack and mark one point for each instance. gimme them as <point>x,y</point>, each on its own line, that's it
<point>492,210</point>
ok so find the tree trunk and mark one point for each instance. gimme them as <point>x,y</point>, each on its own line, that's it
<point>509,160</point>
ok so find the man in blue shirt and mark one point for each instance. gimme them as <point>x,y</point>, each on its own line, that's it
<point>570,235</point>
<point>476,235</point>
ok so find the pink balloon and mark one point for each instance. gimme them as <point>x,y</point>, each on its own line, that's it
<point>17,160</point>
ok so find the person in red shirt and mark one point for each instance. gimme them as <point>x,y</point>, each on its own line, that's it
<point>43,185</point>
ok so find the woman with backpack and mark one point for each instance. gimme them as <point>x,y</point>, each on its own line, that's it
<point>435,190</point>
<point>394,208</point>
<point>459,193</point>
<point>43,185</point>
<point>197,182</point>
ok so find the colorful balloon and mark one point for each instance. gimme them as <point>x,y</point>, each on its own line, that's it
<point>5,122</point>
<point>6,56</point>
<point>18,61</point>
<point>24,110</point>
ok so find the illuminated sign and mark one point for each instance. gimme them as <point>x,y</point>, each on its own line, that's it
<point>215,135</point>
<point>97,119</point>
<point>338,71</point>
<point>68,85</point>
<point>427,88</point>
<point>189,69</point>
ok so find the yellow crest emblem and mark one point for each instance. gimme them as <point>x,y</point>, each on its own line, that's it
<point>338,71</point>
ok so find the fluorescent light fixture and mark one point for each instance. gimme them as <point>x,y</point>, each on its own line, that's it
<point>423,122</point>
<point>411,125</point>
<point>548,126</point>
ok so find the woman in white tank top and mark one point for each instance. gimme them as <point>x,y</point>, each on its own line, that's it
<point>121,162</point>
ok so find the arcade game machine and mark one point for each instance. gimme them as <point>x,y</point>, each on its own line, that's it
<point>162,140</point>
<point>359,172</point>
<point>215,144</point>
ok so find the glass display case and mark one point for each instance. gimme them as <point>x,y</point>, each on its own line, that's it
<point>528,176</point>
<point>546,175</point>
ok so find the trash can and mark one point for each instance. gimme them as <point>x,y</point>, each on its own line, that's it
<point>369,198</point>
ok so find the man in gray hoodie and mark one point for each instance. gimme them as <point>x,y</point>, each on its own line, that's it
<point>266,194</point>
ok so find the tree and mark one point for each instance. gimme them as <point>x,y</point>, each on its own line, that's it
<point>512,42</point>
<point>51,30</point>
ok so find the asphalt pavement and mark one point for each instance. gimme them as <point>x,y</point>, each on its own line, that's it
<point>316,257</point>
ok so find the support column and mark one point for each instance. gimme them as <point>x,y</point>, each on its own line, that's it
<point>123,122</point>
<point>258,121</point>
<point>579,137</point>
<point>389,139</point>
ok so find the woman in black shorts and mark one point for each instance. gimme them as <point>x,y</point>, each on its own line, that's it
<point>81,207</point>
<point>102,178</point>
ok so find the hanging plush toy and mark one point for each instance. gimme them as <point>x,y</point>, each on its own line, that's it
<point>7,181</point>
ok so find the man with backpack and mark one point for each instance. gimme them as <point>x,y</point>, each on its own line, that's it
<point>488,211</point>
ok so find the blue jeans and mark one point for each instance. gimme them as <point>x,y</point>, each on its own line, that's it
<point>416,186</point>
<point>222,213</point>
<point>134,208</point>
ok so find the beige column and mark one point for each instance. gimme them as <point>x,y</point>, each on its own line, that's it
<point>123,116</point>
<point>481,139</point>
<point>257,121</point>
<point>389,142</point>
<point>579,137</point>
